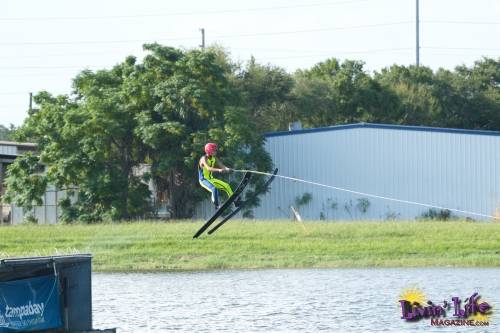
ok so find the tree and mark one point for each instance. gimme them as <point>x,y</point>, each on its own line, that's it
<point>88,142</point>
<point>265,91</point>
<point>478,89</point>
<point>336,93</point>
<point>25,184</point>
<point>193,103</point>
<point>418,101</point>
<point>315,101</point>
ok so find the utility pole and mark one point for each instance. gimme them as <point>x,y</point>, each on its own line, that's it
<point>418,37</point>
<point>31,101</point>
<point>202,38</point>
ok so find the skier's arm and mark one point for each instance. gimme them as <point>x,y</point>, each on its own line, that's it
<point>222,166</point>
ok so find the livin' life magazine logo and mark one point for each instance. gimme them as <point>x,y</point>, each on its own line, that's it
<point>471,311</point>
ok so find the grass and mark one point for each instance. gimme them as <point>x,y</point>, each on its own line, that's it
<point>158,246</point>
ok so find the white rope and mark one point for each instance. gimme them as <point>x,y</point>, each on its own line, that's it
<point>372,195</point>
<point>54,265</point>
<point>53,286</point>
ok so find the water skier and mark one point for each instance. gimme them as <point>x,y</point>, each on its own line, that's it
<point>208,164</point>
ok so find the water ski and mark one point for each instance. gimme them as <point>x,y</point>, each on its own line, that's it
<point>236,194</point>
<point>242,203</point>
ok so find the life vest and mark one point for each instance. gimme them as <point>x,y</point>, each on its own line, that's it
<point>203,172</point>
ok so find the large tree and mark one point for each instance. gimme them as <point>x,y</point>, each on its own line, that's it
<point>191,103</point>
<point>87,143</point>
<point>160,112</point>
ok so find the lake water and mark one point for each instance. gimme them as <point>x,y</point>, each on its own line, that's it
<point>298,300</point>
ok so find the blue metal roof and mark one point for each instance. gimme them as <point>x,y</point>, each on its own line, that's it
<point>383,126</point>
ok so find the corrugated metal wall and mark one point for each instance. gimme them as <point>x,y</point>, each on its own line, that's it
<point>8,150</point>
<point>47,213</point>
<point>458,170</point>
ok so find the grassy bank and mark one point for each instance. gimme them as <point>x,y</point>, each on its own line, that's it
<point>157,246</point>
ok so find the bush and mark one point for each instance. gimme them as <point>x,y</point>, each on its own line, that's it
<point>435,214</point>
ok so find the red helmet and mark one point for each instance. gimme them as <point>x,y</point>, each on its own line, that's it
<point>210,148</point>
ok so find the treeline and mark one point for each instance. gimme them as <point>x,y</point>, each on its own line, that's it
<point>161,112</point>
<point>332,93</point>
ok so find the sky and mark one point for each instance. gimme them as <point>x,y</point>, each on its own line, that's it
<point>45,43</point>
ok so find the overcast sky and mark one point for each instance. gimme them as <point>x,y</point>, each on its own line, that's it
<point>44,43</point>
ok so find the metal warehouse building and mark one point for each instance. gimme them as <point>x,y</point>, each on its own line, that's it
<point>9,151</point>
<point>451,168</point>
